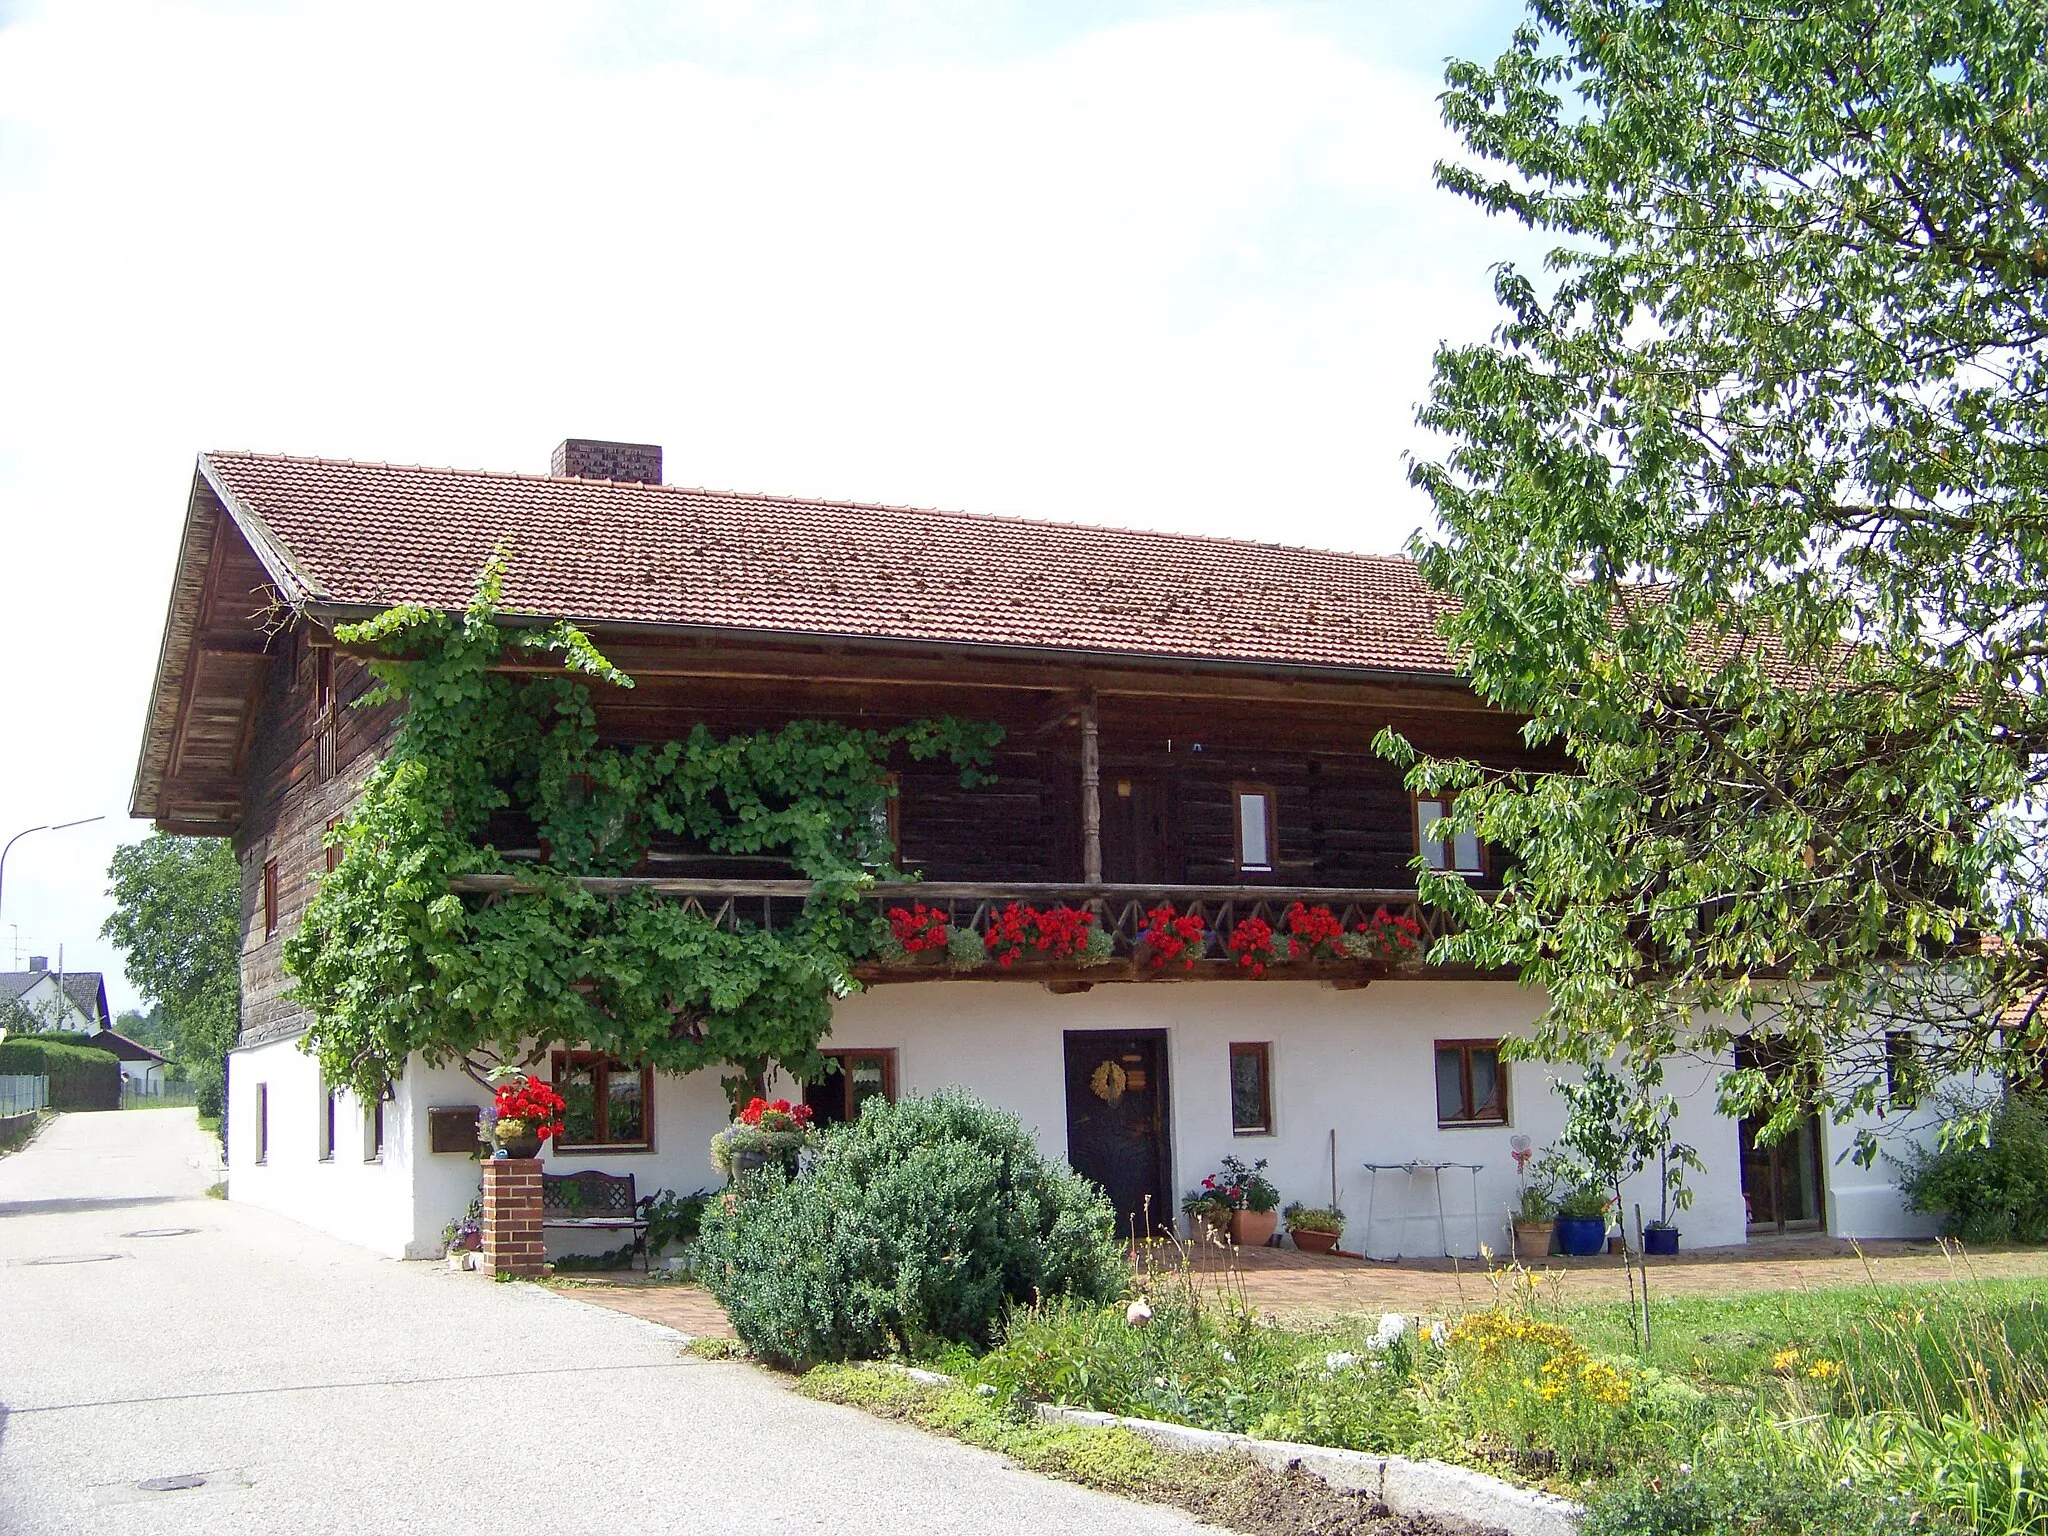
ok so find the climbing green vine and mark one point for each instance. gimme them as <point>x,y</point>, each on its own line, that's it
<point>390,961</point>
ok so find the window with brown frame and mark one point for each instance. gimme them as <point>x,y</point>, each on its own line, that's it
<point>327,1118</point>
<point>1460,853</point>
<point>333,849</point>
<point>1471,1083</point>
<point>269,897</point>
<point>610,1104</point>
<point>373,1130</point>
<point>1903,1077</point>
<point>1253,806</point>
<point>263,1122</point>
<point>1251,1088</point>
<point>837,1097</point>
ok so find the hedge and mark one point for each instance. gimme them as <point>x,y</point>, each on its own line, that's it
<point>79,1078</point>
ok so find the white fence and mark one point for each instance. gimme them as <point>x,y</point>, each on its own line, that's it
<point>23,1095</point>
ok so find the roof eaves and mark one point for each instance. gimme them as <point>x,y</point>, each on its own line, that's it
<point>292,579</point>
<point>330,614</point>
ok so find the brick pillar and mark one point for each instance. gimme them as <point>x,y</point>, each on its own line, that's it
<point>512,1243</point>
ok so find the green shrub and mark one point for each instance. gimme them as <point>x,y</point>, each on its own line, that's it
<point>1996,1193</point>
<point>920,1223</point>
<point>79,1078</point>
<point>1758,1501</point>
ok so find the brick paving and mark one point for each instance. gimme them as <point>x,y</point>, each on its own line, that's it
<point>1289,1283</point>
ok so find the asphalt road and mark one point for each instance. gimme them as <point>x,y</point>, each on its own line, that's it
<point>148,1333</point>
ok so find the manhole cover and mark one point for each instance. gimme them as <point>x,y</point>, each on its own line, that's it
<point>161,1232</point>
<point>73,1258</point>
<point>173,1484</point>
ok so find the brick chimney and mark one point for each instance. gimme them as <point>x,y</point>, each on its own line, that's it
<point>587,458</point>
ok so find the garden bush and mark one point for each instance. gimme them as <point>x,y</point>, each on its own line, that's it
<point>1760,1501</point>
<point>921,1223</point>
<point>1996,1193</point>
<point>79,1078</point>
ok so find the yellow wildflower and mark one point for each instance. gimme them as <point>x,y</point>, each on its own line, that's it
<point>1785,1360</point>
<point>1824,1370</point>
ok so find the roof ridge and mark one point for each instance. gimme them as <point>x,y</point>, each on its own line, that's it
<point>776,498</point>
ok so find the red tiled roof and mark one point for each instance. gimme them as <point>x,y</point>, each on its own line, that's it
<point>371,535</point>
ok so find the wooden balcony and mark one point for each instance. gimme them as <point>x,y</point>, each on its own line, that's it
<point>1121,911</point>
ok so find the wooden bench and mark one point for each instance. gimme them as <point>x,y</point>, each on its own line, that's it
<point>593,1202</point>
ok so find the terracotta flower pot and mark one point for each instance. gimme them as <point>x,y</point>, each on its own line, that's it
<point>1532,1239</point>
<point>1312,1242</point>
<point>1253,1229</point>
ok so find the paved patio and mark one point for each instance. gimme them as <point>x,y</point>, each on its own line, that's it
<point>1289,1283</point>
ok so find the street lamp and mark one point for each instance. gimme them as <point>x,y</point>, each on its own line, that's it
<point>59,827</point>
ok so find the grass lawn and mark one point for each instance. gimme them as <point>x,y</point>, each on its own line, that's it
<point>1731,1340</point>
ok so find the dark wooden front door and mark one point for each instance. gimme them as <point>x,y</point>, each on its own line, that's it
<point>1117,1127</point>
<point>1134,831</point>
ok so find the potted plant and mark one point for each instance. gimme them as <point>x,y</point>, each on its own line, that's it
<point>913,935</point>
<point>1315,1229</point>
<point>1661,1236</point>
<point>1386,937</point>
<point>1254,945</point>
<point>1206,1208</point>
<point>526,1112</point>
<point>1247,1194</point>
<point>1171,939</point>
<point>1313,933</point>
<point>465,1234</point>
<point>1582,1219</point>
<point>1535,1220</point>
<point>765,1132</point>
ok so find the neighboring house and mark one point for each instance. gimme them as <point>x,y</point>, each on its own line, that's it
<point>1190,720</point>
<point>74,1001</point>
<point>141,1067</point>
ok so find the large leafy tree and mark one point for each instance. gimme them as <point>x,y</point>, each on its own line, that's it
<point>178,923</point>
<point>1743,509</point>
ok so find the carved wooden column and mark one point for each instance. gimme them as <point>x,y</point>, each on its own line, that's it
<point>1091,796</point>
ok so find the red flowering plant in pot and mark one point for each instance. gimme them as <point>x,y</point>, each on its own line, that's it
<point>1388,937</point>
<point>1237,1198</point>
<point>916,933</point>
<point>1255,945</point>
<point>526,1112</point>
<point>1172,939</point>
<point>766,1131</point>
<point>1051,933</point>
<point>1313,933</point>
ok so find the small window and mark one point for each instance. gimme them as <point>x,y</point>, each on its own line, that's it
<point>1459,853</point>
<point>837,1097</point>
<point>326,1124</point>
<point>885,819</point>
<point>1251,1088</point>
<point>323,680</point>
<point>333,849</point>
<point>1254,829</point>
<point>269,897</point>
<point>263,1122</point>
<point>609,1103</point>
<point>1471,1084</point>
<point>373,1130</point>
<point>1902,1072</point>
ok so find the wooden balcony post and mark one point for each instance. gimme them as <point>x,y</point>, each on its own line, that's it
<point>1091,796</point>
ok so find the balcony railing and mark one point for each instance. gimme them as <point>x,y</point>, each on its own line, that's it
<point>1122,911</point>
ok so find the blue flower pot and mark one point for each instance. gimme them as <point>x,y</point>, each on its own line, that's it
<point>1661,1240</point>
<point>1580,1237</point>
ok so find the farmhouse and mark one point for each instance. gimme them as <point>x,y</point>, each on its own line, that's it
<point>1187,722</point>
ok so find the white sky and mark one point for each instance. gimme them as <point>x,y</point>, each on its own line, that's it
<point>1170,265</point>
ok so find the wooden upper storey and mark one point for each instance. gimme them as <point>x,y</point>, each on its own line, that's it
<point>1119,765</point>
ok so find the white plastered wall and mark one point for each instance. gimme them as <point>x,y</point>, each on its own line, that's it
<point>1360,1063</point>
<point>365,1201</point>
